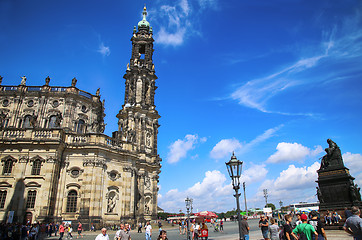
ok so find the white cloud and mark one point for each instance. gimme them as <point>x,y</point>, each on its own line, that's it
<point>253,174</point>
<point>179,148</point>
<point>287,152</point>
<point>292,185</point>
<point>354,163</point>
<point>105,51</point>
<point>224,148</point>
<point>213,193</point>
<point>209,194</point>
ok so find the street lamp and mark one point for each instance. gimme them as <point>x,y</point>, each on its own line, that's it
<point>234,167</point>
<point>188,202</point>
<point>266,196</point>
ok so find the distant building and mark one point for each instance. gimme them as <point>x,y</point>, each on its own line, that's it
<point>56,162</point>
<point>160,210</point>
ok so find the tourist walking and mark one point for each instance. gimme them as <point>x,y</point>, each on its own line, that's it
<point>221,225</point>
<point>120,232</point>
<point>159,225</point>
<point>139,228</point>
<point>126,232</point>
<point>204,228</point>
<point>245,227</point>
<point>70,230</point>
<point>318,225</point>
<point>61,231</point>
<point>56,229</point>
<point>353,224</point>
<point>287,228</point>
<point>148,231</point>
<point>80,229</point>
<point>103,235</point>
<point>273,230</point>
<point>304,230</point>
<point>263,224</point>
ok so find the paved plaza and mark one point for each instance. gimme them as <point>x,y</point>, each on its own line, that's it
<point>230,233</point>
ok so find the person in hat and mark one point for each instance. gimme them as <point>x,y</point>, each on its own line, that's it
<point>304,229</point>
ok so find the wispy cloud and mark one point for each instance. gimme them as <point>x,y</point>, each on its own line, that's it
<point>225,147</point>
<point>336,47</point>
<point>104,50</point>
<point>261,138</point>
<point>177,20</point>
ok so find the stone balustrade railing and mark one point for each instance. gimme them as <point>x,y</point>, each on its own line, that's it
<point>58,135</point>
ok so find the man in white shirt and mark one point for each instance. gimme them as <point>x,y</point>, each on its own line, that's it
<point>103,235</point>
<point>148,231</point>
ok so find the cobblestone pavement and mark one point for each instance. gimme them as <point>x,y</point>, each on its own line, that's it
<point>230,233</point>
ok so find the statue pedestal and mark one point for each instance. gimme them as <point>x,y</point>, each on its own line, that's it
<point>337,191</point>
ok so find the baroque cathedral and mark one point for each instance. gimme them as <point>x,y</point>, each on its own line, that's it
<point>56,162</point>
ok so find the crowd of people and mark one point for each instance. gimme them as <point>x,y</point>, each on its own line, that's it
<point>38,231</point>
<point>306,227</point>
<point>124,233</point>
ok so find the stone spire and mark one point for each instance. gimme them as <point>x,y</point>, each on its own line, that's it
<point>138,119</point>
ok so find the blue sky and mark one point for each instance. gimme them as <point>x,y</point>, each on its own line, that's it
<point>270,80</point>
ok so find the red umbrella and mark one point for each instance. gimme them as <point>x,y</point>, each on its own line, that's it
<point>206,214</point>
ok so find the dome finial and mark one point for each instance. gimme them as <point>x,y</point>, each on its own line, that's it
<point>143,24</point>
<point>144,13</point>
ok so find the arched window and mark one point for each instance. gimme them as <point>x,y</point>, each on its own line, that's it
<point>81,126</point>
<point>52,121</point>
<point>36,167</point>
<point>72,201</point>
<point>27,120</point>
<point>8,167</point>
<point>2,198</point>
<point>30,202</point>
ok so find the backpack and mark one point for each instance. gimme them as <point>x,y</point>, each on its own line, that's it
<point>281,233</point>
<point>302,235</point>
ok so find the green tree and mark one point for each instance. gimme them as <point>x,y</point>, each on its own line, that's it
<point>270,205</point>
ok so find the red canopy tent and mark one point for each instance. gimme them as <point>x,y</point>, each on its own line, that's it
<point>206,214</point>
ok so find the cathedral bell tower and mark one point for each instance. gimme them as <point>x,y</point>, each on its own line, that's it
<point>138,119</point>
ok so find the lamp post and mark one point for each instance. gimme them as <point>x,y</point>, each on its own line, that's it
<point>266,196</point>
<point>246,208</point>
<point>234,167</point>
<point>188,202</point>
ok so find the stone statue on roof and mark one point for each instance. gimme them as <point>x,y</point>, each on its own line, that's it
<point>23,81</point>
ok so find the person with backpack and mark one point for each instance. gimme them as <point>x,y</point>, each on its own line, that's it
<point>304,230</point>
<point>318,225</point>
<point>287,229</point>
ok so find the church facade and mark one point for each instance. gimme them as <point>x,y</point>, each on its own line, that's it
<point>56,162</point>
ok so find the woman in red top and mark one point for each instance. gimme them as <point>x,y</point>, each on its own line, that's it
<point>80,230</point>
